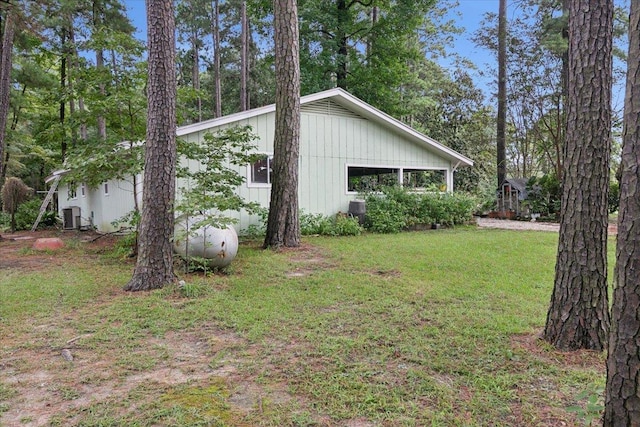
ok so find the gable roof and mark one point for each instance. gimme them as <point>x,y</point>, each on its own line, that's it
<point>351,103</point>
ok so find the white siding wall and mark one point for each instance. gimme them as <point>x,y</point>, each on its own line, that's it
<point>97,208</point>
<point>331,142</point>
<point>328,143</point>
<point>263,127</point>
<point>331,138</point>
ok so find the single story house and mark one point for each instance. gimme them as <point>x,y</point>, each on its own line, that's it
<point>346,146</point>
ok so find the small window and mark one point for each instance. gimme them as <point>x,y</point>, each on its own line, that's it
<point>420,179</point>
<point>72,191</point>
<point>83,189</point>
<point>106,189</point>
<point>363,179</point>
<point>261,170</point>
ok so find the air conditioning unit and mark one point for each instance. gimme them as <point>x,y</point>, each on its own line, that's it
<point>71,218</point>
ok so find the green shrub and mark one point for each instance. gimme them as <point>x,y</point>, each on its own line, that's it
<point>396,208</point>
<point>457,208</point>
<point>347,226</point>
<point>310,224</point>
<point>384,214</point>
<point>340,225</point>
<point>314,224</point>
<point>544,195</point>
<point>27,214</point>
<point>5,220</point>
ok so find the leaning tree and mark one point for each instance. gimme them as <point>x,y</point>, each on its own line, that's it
<point>578,315</point>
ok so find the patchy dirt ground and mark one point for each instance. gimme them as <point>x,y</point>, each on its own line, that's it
<point>48,381</point>
<point>16,249</point>
<point>56,381</point>
<point>70,377</point>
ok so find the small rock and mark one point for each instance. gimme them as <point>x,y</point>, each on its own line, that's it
<point>48,243</point>
<point>66,354</point>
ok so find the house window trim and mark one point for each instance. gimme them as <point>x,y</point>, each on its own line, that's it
<point>400,173</point>
<point>251,184</point>
<point>105,187</point>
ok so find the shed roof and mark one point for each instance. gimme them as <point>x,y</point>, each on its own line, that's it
<point>350,102</point>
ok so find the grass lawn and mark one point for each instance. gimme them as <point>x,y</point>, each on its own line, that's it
<point>433,328</point>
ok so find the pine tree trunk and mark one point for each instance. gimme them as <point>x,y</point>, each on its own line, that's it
<point>215,24</point>
<point>501,157</point>
<point>63,89</point>
<point>98,21</point>
<point>102,123</point>
<point>81,108</point>
<point>343,50</point>
<point>154,267</point>
<point>195,73</point>
<point>244,57</point>
<point>283,227</point>
<point>578,315</point>
<point>5,82</point>
<point>622,403</point>
<point>72,63</point>
<point>84,135</point>
<point>370,41</point>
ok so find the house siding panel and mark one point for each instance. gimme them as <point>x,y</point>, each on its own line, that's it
<point>332,137</point>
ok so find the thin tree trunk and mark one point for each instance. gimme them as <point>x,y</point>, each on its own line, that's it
<point>215,24</point>
<point>83,125</point>
<point>283,226</point>
<point>578,315</point>
<point>102,123</point>
<point>622,403</point>
<point>5,83</point>
<point>374,20</point>
<point>71,66</point>
<point>63,84</point>
<point>98,17</point>
<point>244,57</point>
<point>154,266</point>
<point>7,151</point>
<point>501,157</point>
<point>195,73</point>
<point>343,50</point>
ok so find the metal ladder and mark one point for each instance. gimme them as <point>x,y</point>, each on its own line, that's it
<point>46,201</point>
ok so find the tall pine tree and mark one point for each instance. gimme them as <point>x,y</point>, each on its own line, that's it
<point>283,225</point>
<point>578,315</point>
<point>154,266</point>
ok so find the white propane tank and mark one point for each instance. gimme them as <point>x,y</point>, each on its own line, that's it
<point>218,245</point>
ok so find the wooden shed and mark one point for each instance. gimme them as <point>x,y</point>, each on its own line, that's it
<point>510,197</point>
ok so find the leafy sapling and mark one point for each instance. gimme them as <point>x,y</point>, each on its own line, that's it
<point>210,190</point>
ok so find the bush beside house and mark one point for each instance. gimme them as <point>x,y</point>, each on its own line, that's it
<point>395,209</point>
